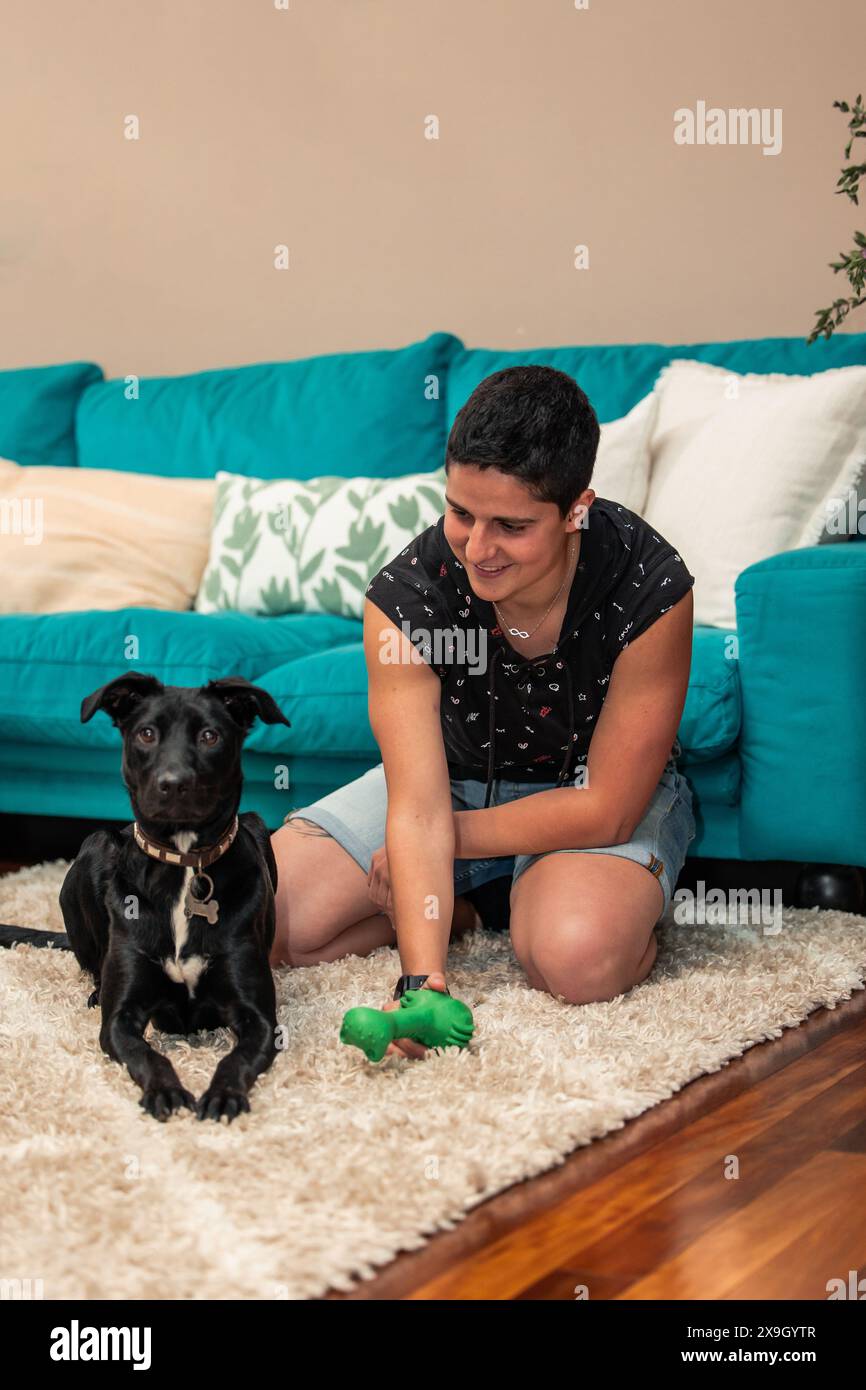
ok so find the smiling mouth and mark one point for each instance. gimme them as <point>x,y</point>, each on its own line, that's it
<point>490,573</point>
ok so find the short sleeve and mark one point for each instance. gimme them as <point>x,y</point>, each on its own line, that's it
<point>656,579</point>
<point>414,606</point>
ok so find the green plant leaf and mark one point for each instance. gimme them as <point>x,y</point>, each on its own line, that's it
<point>329,597</point>
<point>405,513</point>
<point>364,537</point>
<point>212,585</point>
<point>277,598</point>
<point>246,523</point>
<point>352,576</point>
<point>310,567</point>
<point>437,498</point>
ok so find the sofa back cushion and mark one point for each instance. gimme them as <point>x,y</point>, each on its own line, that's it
<point>615,377</point>
<point>380,414</point>
<point>37,412</point>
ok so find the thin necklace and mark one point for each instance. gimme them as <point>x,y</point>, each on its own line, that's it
<point>516,631</point>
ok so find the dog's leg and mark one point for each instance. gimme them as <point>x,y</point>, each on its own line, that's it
<point>250,1010</point>
<point>82,902</point>
<point>125,1014</point>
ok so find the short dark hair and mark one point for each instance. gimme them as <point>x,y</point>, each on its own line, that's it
<point>534,423</point>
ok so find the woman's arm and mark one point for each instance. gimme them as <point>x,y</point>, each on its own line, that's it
<point>403,706</point>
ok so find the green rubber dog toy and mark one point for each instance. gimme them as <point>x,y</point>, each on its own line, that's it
<point>427,1016</point>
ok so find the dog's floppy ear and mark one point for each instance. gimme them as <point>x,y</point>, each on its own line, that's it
<point>119,697</point>
<point>244,702</point>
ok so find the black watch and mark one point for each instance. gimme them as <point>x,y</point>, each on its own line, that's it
<point>411,982</point>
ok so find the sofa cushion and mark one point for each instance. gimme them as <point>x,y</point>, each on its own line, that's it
<point>49,663</point>
<point>712,717</point>
<point>374,413</point>
<point>37,412</point>
<point>616,376</point>
<point>312,664</point>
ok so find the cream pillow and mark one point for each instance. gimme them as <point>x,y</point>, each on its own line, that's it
<point>622,465</point>
<point>746,466</point>
<point>79,538</point>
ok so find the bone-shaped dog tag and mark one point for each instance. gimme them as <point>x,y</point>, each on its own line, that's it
<point>201,907</point>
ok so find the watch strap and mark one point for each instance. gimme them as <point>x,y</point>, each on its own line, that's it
<point>411,982</point>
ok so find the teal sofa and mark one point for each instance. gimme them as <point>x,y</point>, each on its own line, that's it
<point>773,732</point>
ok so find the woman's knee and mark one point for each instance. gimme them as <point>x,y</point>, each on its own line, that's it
<point>585,963</point>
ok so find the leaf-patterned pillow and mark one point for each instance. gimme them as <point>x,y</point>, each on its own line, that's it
<point>310,547</point>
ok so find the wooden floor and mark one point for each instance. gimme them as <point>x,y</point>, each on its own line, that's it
<point>649,1212</point>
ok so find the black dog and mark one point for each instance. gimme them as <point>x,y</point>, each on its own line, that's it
<point>173,916</point>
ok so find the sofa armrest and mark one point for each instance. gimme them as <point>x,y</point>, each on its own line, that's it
<point>801,628</point>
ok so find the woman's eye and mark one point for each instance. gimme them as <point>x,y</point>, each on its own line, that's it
<point>506,526</point>
<point>209,737</point>
<point>146,734</point>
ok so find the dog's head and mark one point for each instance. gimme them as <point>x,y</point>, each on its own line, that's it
<point>182,744</point>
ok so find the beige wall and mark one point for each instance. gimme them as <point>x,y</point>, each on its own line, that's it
<point>305,126</point>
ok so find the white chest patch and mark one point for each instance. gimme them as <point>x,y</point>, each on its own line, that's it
<point>183,969</point>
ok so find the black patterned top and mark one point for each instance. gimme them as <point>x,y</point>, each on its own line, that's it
<point>520,717</point>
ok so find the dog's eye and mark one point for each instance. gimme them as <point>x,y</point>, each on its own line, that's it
<point>209,737</point>
<point>146,734</point>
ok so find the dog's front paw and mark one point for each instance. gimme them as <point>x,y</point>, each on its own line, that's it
<point>162,1101</point>
<point>222,1100</point>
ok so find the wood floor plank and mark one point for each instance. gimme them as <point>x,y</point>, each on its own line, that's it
<point>559,1237</point>
<point>828,1250</point>
<point>740,1245</point>
<point>656,1233</point>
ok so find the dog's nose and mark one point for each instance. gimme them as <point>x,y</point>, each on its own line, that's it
<point>170,783</point>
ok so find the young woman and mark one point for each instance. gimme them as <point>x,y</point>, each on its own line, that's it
<point>528,659</point>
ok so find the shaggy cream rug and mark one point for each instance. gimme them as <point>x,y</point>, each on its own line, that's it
<point>340,1163</point>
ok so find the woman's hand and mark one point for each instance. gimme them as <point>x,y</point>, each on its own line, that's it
<point>379,882</point>
<point>407,1047</point>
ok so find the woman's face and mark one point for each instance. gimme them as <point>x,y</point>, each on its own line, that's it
<point>506,540</point>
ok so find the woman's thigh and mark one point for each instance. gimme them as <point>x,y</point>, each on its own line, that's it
<point>321,889</point>
<point>582,925</point>
<point>323,853</point>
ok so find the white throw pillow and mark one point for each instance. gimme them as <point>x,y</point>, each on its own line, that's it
<point>285,546</point>
<point>746,466</point>
<point>622,465</point>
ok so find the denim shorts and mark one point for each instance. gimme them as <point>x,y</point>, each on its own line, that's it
<point>355,816</point>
